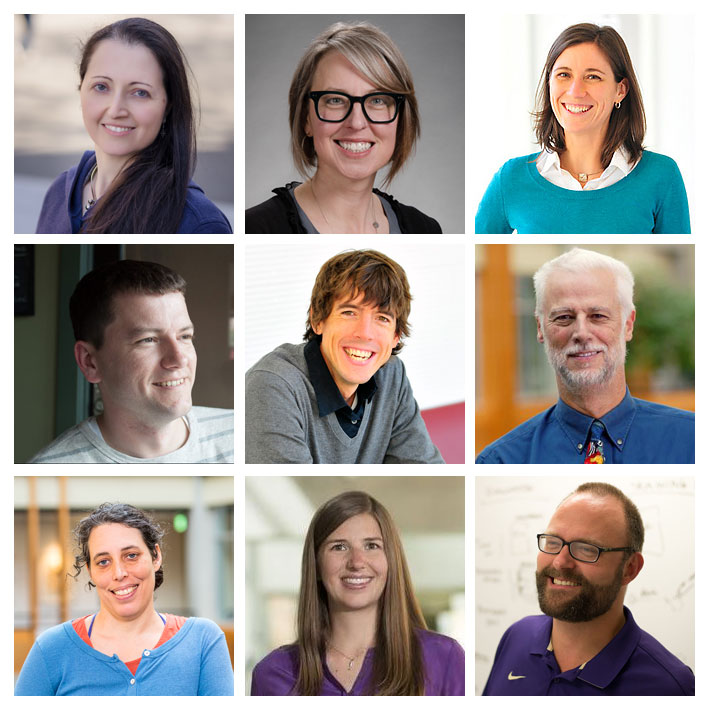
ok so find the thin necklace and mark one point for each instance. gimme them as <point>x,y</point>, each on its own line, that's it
<point>345,655</point>
<point>583,177</point>
<point>375,223</point>
<point>92,200</point>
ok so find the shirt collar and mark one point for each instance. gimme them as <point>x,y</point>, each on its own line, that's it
<point>328,395</point>
<point>548,162</point>
<point>617,423</point>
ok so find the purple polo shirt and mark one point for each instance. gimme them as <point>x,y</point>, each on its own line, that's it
<point>442,657</point>
<point>632,663</point>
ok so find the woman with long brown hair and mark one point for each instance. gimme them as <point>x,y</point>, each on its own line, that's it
<point>137,109</point>
<point>360,628</point>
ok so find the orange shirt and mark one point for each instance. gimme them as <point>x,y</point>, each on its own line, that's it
<point>172,626</point>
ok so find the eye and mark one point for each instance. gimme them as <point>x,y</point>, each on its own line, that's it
<point>141,94</point>
<point>594,77</point>
<point>132,555</point>
<point>338,546</point>
<point>563,319</point>
<point>103,563</point>
<point>149,339</point>
<point>384,319</point>
<point>188,336</point>
<point>561,75</point>
<point>100,87</point>
<point>373,546</point>
<point>335,100</point>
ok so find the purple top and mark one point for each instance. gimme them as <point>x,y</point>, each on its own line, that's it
<point>632,663</point>
<point>442,657</point>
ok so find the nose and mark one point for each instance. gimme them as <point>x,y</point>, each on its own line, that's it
<point>578,88</point>
<point>356,120</point>
<point>563,559</point>
<point>356,560</point>
<point>581,328</point>
<point>119,571</point>
<point>117,107</point>
<point>364,329</point>
<point>174,356</point>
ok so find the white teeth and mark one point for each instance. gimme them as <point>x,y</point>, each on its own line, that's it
<point>356,580</point>
<point>355,147</point>
<point>564,583</point>
<point>172,383</point>
<point>359,354</point>
<point>124,592</point>
<point>577,109</point>
<point>118,129</point>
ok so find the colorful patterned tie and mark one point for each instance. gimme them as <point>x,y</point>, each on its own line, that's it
<point>595,448</point>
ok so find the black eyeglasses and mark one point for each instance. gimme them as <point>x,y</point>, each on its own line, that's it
<point>336,106</point>
<point>581,551</point>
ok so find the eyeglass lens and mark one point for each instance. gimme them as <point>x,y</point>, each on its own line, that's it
<point>582,551</point>
<point>377,107</point>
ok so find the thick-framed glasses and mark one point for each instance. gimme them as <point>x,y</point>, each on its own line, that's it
<point>581,551</point>
<point>336,106</point>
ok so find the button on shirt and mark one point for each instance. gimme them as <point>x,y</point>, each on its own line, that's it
<point>632,663</point>
<point>328,395</point>
<point>635,431</point>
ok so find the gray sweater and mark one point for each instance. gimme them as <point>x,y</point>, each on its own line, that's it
<point>283,425</point>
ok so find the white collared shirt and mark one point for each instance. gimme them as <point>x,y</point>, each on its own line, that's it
<point>548,165</point>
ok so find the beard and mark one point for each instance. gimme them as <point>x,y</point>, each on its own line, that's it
<point>580,380</point>
<point>591,601</point>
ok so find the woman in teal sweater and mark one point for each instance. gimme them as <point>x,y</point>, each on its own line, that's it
<point>593,175</point>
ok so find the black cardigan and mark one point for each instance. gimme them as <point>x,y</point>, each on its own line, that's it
<point>279,216</point>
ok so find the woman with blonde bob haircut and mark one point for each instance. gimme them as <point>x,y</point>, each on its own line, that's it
<point>360,628</point>
<point>352,112</point>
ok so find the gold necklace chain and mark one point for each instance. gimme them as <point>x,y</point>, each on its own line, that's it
<point>375,223</point>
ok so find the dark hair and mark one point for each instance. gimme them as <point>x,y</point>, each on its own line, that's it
<point>148,196</point>
<point>397,665</point>
<point>123,514</point>
<point>634,522</point>
<point>381,280</point>
<point>91,304</point>
<point>627,125</point>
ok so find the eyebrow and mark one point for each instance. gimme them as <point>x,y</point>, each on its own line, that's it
<point>599,71</point>
<point>101,76</point>
<point>135,332</point>
<point>365,539</point>
<point>568,309</point>
<point>356,307</point>
<point>123,549</point>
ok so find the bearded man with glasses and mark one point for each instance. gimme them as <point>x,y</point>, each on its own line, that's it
<point>587,642</point>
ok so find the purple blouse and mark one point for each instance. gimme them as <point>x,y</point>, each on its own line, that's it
<point>442,657</point>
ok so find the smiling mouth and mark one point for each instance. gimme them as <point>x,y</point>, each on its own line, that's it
<point>555,581</point>
<point>359,355</point>
<point>169,383</point>
<point>355,146</point>
<point>356,582</point>
<point>585,354</point>
<point>118,130</point>
<point>125,592</point>
<point>576,108</point>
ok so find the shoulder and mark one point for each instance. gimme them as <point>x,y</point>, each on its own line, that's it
<point>199,626</point>
<point>212,414</point>
<point>659,162</point>
<point>277,215</point>
<point>70,446</point>
<point>667,669</point>
<point>288,362</point>
<point>411,220</point>
<point>54,216</point>
<point>681,417</point>
<point>201,215</point>
<point>517,166</point>
<point>56,639</point>
<point>511,447</point>
<point>439,645</point>
<point>276,673</point>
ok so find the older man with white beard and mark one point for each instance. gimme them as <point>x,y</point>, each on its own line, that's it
<point>585,316</point>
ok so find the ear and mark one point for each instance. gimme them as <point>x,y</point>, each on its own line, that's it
<point>85,356</point>
<point>317,327</point>
<point>158,558</point>
<point>632,567</point>
<point>307,127</point>
<point>540,336</point>
<point>395,341</point>
<point>622,89</point>
<point>629,326</point>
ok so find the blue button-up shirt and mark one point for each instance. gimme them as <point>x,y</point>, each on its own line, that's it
<point>632,663</point>
<point>635,431</point>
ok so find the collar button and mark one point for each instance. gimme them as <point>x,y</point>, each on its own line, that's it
<point>580,446</point>
<point>619,442</point>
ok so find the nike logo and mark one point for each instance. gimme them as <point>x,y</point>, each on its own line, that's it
<point>514,677</point>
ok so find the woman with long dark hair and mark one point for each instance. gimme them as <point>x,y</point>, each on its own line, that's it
<point>360,628</point>
<point>127,647</point>
<point>593,174</point>
<point>137,110</point>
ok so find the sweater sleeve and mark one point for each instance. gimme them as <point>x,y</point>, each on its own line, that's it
<point>273,421</point>
<point>34,677</point>
<point>410,441</point>
<point>216,674</point>
<point>491,217</point>
<point>454,681</point>
<point>673,216</point>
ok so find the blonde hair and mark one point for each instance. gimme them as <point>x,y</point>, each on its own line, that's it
<point>397,666</point>
<point>377,58</point>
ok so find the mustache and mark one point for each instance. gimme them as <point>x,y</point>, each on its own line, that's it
<point>564,576</point>
<point>575,349</point>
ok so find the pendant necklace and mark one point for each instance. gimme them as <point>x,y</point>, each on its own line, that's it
<point>92,200</point>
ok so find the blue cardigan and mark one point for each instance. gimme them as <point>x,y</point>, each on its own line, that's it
<point>651,199</point>
<point>193,662</point>
<point>61,210</point>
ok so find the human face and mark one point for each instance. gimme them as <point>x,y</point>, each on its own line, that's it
<point>357,340</point>
<point>583,90</point>
<point>583,329</point>
<point>569,590</point>
<point>354,149</point>
<point>122,569</point>
<point>146,365</point>
<point>352,564</point>
<point>123,98</point>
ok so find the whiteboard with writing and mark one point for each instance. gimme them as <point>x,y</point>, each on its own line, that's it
<point>510,511</point>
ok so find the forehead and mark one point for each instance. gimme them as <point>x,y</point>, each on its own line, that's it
<point>359,526</point>
<point>125,62</point>
<point>587,517</point>
<point>114,536</point>
<point>133,310</point>
<point>584,56</point>
<point>596,287</point>
<point>334,71</point>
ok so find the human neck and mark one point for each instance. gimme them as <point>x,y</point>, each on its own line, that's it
<point>341,206</point>
<point>594,402</point>
<point>125,434</point>
<point>108,625</point>
<point>577,643</point>
<point>583,154</point>
<point>353,632</point>
<point>108,169</point>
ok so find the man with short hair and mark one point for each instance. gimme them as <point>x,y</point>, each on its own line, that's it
<point>134,339</point>
<point>587,642</point>
<point>585,316</point>
<point>342,396</point>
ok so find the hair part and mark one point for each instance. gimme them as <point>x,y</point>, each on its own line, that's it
<point>381,281</point>
<point>397,667</point>
<point>580,261</point>
<point>627,125</point>
<point>121,514</point>
<point>149,194</point>
<point>378,59</point>
<point>91,304</point>
<point>634,522</point>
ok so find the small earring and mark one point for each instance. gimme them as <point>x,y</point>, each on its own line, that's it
<point>618,104</point>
